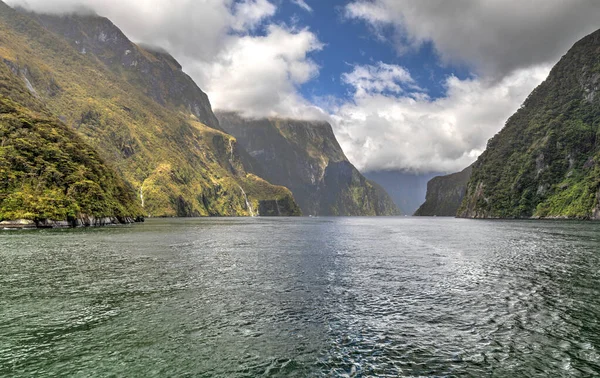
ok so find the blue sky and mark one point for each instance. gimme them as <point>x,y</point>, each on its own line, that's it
<point>408,85</point>
<point>350,42</point>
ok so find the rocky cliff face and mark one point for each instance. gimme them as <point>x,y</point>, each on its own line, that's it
<point>445,194</point>
<point>138,110</point>
<point>546,160</point>
<point>306,157</point>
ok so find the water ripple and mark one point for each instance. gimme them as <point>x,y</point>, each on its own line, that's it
<point>347,297</point>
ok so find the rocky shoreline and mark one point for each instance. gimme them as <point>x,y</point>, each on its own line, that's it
<point>80,221</point>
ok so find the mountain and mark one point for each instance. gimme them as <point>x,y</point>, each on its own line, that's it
<point>406,189</point>
<point>156,73</point>
<point>48,175</point>
<point>445,194</point>
<point>305,157</point>
<point>545,162</point>
<point>140,111</point>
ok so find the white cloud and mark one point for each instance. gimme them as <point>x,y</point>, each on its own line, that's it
<point>302,4</point>
<point>495,37</point>
<point>250,13</point>
<point>409,131</point>
<point>261,75</point>
<point>379,78</point>
<point>183,27</point>
<point>510,44</point>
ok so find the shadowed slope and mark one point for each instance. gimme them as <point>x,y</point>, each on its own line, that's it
<point>306,157</point>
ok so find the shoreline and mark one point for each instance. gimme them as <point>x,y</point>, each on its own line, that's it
<point>80,221</point>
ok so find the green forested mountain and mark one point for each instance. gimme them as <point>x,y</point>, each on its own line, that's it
<point>305,157</point>
<point>47,173</point>
<point>546,160</point>
<point>138,110</point>
<point>445,194</point>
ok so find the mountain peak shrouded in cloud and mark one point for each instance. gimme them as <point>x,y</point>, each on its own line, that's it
<point>417,86</point>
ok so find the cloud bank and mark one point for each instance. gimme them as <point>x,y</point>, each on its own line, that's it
<point>389,124</point>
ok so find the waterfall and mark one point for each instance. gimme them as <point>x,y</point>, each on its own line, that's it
<point>277,204</point>
<point>231,151</point>
<point>142,194</point>
<point>248,206</point>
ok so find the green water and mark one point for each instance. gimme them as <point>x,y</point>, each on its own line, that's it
<point>302,297</point>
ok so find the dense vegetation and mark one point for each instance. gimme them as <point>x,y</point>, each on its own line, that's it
<point>306,157</point>
<point>178,165</point>
<point>48,173</point>
<point>545,162</point>
<point>445,194</point>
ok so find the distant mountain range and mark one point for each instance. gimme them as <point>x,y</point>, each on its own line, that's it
<point>96,129</point>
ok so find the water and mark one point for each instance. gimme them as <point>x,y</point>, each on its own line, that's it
<point>303,297</point>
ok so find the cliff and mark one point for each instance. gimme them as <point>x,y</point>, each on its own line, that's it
<point>545,162</point>
<point>305,157</point>
<point>445,194</point>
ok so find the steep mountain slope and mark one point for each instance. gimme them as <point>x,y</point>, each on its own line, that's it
<point>132,114</point>
<point>545,162</point>
<point>384,204</point>
<point>305,157</point>
<point>154,72</point>
<point>48,175</point>
<point>406,189</point>
<point>445,194</point>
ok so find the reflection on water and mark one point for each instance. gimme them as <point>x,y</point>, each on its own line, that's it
<point>303,297</point>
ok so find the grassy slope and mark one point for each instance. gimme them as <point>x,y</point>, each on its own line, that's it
<point>545,162</point>
<point>48,172</point>
<point>181,166</point>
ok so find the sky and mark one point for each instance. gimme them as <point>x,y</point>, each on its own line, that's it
<point>408,85</point>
